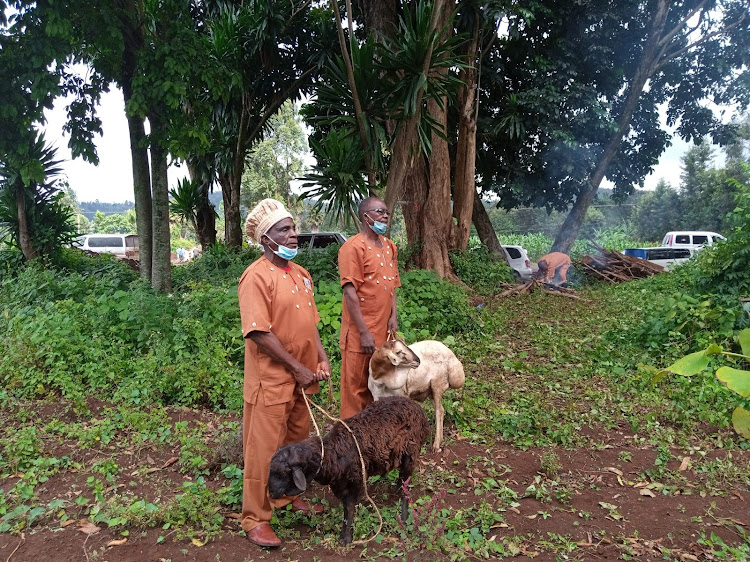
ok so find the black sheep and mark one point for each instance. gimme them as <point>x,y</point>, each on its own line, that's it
<point>390,433</point>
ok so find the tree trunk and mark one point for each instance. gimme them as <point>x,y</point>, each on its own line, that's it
<point>568,233</point>
<point>142,194</point>
<point>433,197</point>
<point>406,148</point>
<point>205,214</point>
<point>380,17</point>
<point>230,192</point>
<point>485,229</point>
<point>465,191</point>
<point>133,35</point>
<point>25,240</point>
<point>161,265</point>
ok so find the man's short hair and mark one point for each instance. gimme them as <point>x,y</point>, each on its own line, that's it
<point>362,208</point>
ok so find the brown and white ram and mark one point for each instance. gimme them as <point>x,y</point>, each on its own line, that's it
<point>425,369</point>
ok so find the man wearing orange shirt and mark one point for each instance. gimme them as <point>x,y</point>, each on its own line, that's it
<point>283,354</point>
<point>553,268</point>
<point>368,270</point>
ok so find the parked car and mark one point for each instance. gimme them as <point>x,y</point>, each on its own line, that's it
<point>518,260</point>
<point>665,256</point>
<point>120,245</point>
<point>318,240</point>
<point>691,239</point>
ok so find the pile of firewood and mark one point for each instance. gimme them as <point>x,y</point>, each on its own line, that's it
<point>616,267</point>
<point>531,286</point>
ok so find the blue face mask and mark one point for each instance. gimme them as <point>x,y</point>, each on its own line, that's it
<point>377,226</point>
<point>284,252</point>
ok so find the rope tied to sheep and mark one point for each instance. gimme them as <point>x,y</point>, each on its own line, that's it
<point>361,461</point>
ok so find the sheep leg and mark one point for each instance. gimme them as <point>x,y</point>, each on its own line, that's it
<point>439,414</point>
<point>347,531</point>
<point>404,472</point>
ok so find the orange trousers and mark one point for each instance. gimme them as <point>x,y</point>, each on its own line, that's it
<point>355,370</point>
<point>265,429</point>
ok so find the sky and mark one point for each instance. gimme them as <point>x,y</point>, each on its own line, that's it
<point>112,180</point>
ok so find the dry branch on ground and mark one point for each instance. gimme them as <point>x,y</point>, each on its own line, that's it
<point>615,267</point>
<point>530,286</point>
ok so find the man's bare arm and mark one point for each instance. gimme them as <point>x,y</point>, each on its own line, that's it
<point>352,304</point>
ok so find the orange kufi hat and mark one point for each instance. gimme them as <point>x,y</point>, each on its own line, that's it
<point>263,216</point>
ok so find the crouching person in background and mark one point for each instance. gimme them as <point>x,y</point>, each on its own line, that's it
<point>283,354</point>
<point>553,268</point>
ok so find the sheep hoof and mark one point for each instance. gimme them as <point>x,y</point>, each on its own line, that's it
<point>346,538</point>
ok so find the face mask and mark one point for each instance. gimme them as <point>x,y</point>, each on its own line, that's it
<point>283,252</point>
<point>377,226</point>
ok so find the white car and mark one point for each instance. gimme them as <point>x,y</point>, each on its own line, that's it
<point>120,245</point>
<point>691,239</point>
<point>518,260</point>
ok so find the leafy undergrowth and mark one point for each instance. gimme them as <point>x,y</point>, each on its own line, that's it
<point>558,447</point>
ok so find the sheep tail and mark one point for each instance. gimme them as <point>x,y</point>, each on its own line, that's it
<point>361,460</point>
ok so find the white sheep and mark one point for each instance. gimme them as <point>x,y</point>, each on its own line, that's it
<point>418,371</point>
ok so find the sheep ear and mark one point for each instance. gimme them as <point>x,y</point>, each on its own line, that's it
<point>299,480</point>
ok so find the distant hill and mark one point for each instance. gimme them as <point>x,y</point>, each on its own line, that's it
<point>90,208</point>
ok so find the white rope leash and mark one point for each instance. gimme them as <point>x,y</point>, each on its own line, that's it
<point>361,460</point>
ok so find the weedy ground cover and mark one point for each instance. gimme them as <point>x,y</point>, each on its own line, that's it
<point>558,447</point>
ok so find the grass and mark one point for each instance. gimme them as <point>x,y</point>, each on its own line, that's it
<point>546,376</point>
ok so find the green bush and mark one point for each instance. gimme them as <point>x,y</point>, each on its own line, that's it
<point>481,270</point>
<point>93,327</point>
<point>681,323</point>
<point>725,267</point>
<point>430,307</point>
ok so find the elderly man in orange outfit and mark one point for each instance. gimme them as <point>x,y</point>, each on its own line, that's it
<point>368,270</point>
<point>283,354</point>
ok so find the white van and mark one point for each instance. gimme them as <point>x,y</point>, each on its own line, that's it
<point>120,245</point>
<point>691,239</point>
<point>665,256</point>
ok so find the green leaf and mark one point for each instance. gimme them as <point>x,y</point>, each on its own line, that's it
<point>745,341</point>
<point>690,364</point>
<point>736,380</point>
<point>741,421</point>
<point>713,349</point>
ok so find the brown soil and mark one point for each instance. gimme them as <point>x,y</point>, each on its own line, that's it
<point>606,516</point>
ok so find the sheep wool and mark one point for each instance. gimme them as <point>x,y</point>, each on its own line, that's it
<point>390,433</point>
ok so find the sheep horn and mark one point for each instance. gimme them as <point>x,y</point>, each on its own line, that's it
<point>299,480</point>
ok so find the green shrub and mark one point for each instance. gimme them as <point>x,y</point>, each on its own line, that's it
<point>681,323</point>
<point>430,307</point>
<point>322,264</point>
<point>481,270</point>
<point>218,265</point>
<point>725,267</point>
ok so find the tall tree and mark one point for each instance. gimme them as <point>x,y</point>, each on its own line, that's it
<point>406,80</point>
<point>685,51</point>
<point>564,96</point>
<point>271,51</point>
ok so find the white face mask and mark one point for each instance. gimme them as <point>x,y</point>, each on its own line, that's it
<point>284,252</point>
<point>377,226</point>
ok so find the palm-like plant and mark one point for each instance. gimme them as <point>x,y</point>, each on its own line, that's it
<point>33,216</point>
<point>186,200</point>
<point>394,80</point>
<point>337,180</point>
